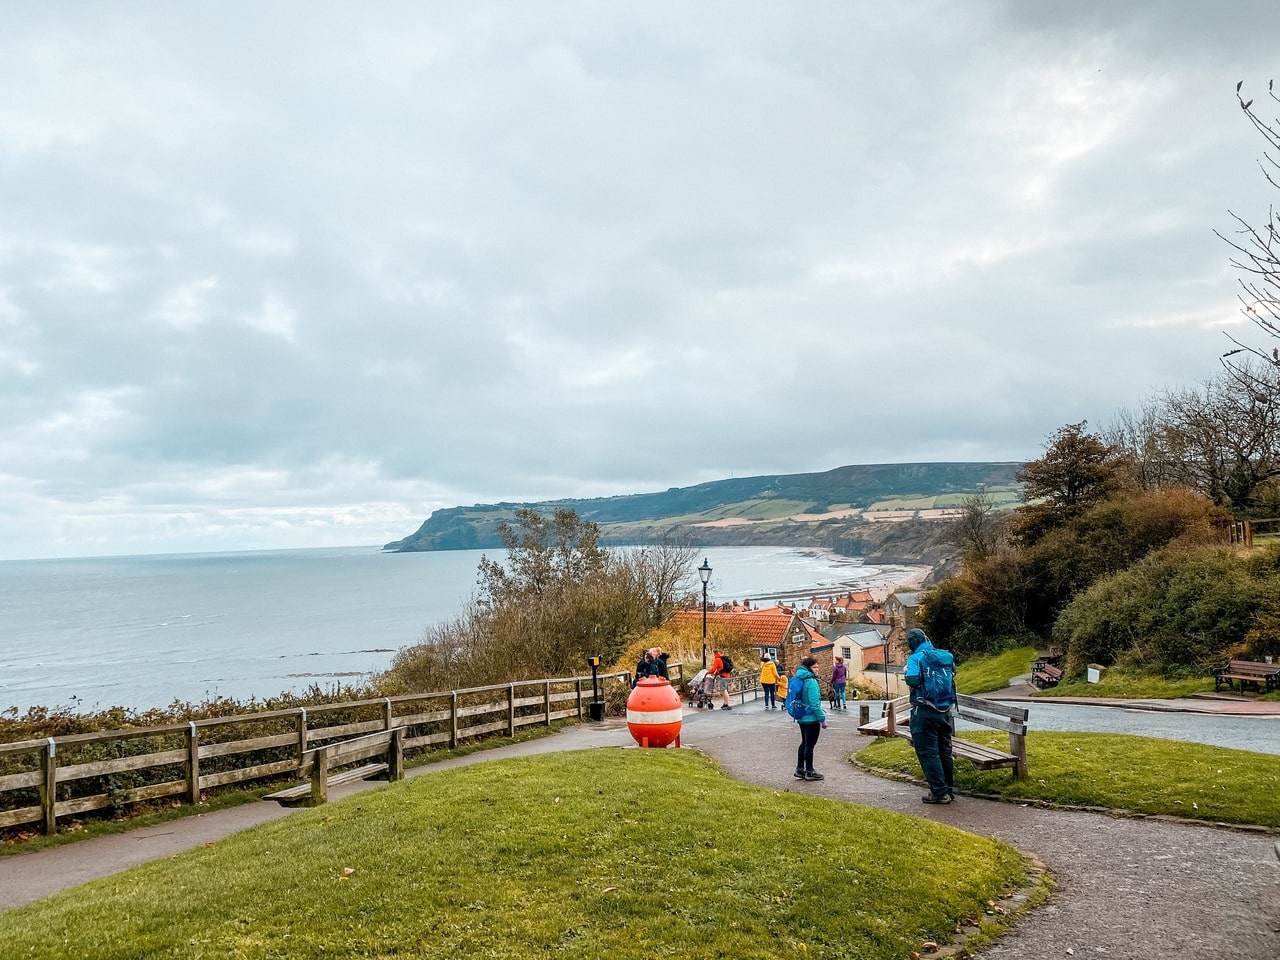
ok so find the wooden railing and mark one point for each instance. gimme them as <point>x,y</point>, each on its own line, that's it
<point>44,780</point>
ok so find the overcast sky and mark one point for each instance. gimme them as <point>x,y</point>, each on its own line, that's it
<point>297,274</point>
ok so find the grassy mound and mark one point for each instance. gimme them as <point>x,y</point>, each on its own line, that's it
<point>602,853</point>
<point>981,674</point>
<point>1117,771</point>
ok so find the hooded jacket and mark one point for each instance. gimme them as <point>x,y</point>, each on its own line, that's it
<point>810,695</point>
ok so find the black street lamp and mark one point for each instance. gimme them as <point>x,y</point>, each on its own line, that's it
<point>704,573</point>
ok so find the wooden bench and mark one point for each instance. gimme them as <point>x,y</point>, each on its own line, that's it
<point>1247,672</point>
<point>386,745</point>
<point>1045,674</point>
<point>896,722</point>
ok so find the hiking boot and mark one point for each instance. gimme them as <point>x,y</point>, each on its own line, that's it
<point>725,706</point>
<point>813,775</point>
<point>930,798</point>
<point>799,774</point>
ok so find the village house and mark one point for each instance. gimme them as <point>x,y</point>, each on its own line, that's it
<point>778,632</point>
<point>853,604</point>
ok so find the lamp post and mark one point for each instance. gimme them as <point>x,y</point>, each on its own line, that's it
<point>704,574</point>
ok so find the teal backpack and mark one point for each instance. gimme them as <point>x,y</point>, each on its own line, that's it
<point>938,680</point>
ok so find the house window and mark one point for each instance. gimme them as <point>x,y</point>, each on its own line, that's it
<point>847,652</point>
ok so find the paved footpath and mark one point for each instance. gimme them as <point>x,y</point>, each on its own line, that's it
<point>1126,889</point>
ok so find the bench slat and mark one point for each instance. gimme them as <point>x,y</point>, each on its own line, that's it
<point>342,776</point>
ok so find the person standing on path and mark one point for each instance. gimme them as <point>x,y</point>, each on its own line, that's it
<point>769,682</point>
<point>783,680</point>
<point>643,668</point>
<point>813,722</point>
<point>658,668</point>
<point>839,678</point>
<point>930,673</point>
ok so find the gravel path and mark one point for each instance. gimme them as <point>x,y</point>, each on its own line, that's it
<point>1125,888</point>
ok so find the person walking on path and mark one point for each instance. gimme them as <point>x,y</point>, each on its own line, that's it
<point>839,679</point>
<point>769,682</point>
<point>722,670</point>
<point>930,673</point>
<point>814,720</point>
<point>782,685</point>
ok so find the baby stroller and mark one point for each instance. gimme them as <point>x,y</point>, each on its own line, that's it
<point>702,688</point>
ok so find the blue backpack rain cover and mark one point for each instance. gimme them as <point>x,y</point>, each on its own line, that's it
<point>938,679</point>
<point>795,706</point>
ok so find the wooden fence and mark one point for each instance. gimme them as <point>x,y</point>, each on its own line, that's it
<point>44,780</point>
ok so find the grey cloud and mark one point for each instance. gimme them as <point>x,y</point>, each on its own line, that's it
<point>267,269</point>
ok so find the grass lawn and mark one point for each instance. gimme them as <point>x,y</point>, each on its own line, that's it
<point>1122,772</point>
<point>603,853</point>
<point>980,674</point>
<point>72,830</point>
<point>1130,687</point>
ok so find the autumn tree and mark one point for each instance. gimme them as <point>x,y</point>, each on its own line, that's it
<point>555,599</point>
<point>981,527</point>
<point>1077,470</point>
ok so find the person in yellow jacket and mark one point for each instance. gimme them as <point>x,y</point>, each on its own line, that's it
<point>781,695</point>
<point>769,682</point>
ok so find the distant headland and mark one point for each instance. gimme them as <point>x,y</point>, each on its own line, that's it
<point>888,512</point>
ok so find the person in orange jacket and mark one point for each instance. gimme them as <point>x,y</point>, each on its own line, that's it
<point>722,671</point>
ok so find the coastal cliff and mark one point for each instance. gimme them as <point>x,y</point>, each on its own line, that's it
<point>889,513</point>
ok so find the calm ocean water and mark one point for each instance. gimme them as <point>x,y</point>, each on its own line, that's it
<point>143,631</point>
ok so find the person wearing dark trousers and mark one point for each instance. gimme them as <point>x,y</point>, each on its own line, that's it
<point>931,724</point>
<point>812,723</point>
<point>769,682</point>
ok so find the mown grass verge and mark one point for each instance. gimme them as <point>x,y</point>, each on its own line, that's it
<point>602,853</point>
<point>1123,686</point>
<point>982,674</point>
<point>85,828</point>
<point>1117,771</point>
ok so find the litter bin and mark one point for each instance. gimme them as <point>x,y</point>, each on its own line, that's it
<point>595,710</point>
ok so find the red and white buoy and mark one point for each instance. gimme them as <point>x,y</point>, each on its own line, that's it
<point>654,713</point>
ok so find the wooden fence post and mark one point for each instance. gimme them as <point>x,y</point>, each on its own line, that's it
<point>302,734</point>
<point>193,763</point>
<point>49,786</point>
<point>577,685</point>
<point>546,700</point>
<point>395,755</point>
<point>453,719</point>
<point>511,710</point>
<point>386,714</point>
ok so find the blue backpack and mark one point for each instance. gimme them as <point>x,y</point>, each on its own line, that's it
<point>795,706</point>
<point>938,680</point>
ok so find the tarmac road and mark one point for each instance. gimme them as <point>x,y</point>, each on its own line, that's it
<point>1126,889</point>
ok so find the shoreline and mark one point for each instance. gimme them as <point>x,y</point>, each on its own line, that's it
<point>889,578</point>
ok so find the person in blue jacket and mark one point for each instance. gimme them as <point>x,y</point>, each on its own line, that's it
<point>813,722</point>
<point>931,729</point>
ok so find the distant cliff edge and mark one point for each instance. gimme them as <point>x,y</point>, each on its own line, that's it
<point>888,512</point>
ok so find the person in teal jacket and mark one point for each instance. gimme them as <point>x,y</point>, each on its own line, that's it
<point>813,722</point>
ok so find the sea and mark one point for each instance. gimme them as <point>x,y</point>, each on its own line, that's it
<point>145,631</point>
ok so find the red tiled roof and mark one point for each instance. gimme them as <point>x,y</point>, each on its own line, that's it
<point>767,628</point>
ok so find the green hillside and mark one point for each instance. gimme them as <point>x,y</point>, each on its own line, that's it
<point>802,509</point>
